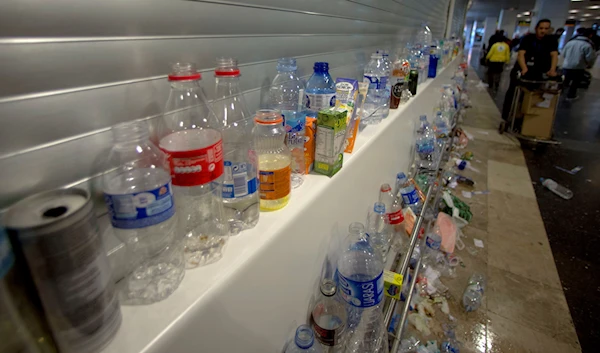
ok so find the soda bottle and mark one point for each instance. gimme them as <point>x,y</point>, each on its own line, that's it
<point>329,318</point>
<point>398,80</point>
<point>240,185</point>
<point>287,95</point>
<point>189,133</point>
<point>274,160</point>
<point>320,89</point>
<point>139,197</point>
<point>360,275</point>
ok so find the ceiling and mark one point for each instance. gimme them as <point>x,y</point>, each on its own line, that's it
<point>480,9</point>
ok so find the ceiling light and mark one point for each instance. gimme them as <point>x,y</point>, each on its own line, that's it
<point>595,7</point>
<point>571,17</point>
<point>526,13</point>
<point>519,15</point>
<point>582,19</point>
<point>573,11</point>
<point>586,15</point>
<point>576,0</point>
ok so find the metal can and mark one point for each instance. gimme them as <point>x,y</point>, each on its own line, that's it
<point>56,232</point>
<point>413,80</point>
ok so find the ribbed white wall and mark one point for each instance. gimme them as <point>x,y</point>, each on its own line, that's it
<point>72,69</point>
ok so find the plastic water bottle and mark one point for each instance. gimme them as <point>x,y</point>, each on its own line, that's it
<point>377,103</point>
<point>421,125</point>
<point>393,205</point>
<point>440,124</point>
<point>304,341</point>
<point>360,275</point>
<point>409,194</point>
<point>433,62</point>
<point>240,195</point>
<point>329,319</point>
<point>377,229</point>
<point>320,89</point>
<point>387,66</point>
<point>287,95</point>
<point>425,147</point>
<point>190,135</point>
<point>557,188</point>
<point>474,293</point>
<point>139,198</point>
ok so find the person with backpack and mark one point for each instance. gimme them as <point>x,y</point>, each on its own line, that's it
<point>579,54</point>
<point>498,55</point>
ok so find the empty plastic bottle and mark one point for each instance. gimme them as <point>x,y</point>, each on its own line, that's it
<point>190,135</point>
<point>440,124</point>
<point>360,276</point>
<point>393,204</point>
<point>377,104</point>
<point>421,125</point>
<point>139,197</point>
<point>387,66</point>
<point>329,318</point>
<point>304,341</point>
<point>474,293</point>
<point>425,147</point>
<point>409,194</point>
<point>378,230</point>
<point>287,95</point>
<point>433,61</point>
<point>320,89</point>
<point>240,185</point>
<point>557,188</point>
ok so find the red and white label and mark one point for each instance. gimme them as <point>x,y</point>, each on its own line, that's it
<point>196,167</point>
<point>396,217</point>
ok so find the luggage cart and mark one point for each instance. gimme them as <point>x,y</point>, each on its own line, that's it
<point>545,86</point>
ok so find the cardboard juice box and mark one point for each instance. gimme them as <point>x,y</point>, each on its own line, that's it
<point>331,135</point>
<point>309,143</point>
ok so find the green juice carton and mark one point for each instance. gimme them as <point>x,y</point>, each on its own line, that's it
<point>331,135</point>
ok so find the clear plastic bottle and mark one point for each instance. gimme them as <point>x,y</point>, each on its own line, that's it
<point>304,341</point>
<point>329,318</point>
<point>320,89</point>
<point>557,188</point>
<point>378,230</point>
<point>360,275</point>
<point>287,95</point>
<point>387,66</point>
<point>473,295</point>
<point>441,125</point>
<point>190,135</point>
<point>139,198</point>
<point>425,147</point>
<point>274,160</point>
<point>421,125</point>
<point>409,194</point>
<point>240,184</point>
<point>377,104</point>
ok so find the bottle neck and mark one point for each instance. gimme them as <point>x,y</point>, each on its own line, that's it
<point>227,86</point>
<point>132,133</point>
<point>185,85</point>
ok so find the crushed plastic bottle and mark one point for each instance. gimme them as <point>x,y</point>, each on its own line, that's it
<point>473,295</point>
<point>304,341</point>
<point>189,133</point>
<point>557,188</point>
<point>139,197</point>
<point>360,275</point>
<point>240,185</point>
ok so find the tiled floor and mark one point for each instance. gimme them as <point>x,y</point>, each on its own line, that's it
<point>524,308</point>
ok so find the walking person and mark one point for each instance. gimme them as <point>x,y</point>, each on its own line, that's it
<point>498,55</point>
<point>538,56</point>
<point>579,54</point>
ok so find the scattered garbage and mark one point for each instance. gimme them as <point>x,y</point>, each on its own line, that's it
<point>455,207</point>
<point>473,295</point>
<point>478,243</point>
<point>467,156</point>
<point>572,171</point>
<point>461,164</point>
<point>557,188</point>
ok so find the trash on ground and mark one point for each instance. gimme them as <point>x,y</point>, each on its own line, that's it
<point>473,294</point>
<point>478,243</point>
<point>467,194</point>
<point>483,132</point>
<point>420,322</point>
<point>572,171</point>
<point>467,156</point>
<point>557,188</point>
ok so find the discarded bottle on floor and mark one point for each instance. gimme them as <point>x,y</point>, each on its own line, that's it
<point>139,198</point>
<point>425,147</point>
<point>377,104</point>
<point>304,341</point>
<point>473,295</point>
<point>360,276</point>
<point>320,89</point>
<point>190,135</point>
<point>557,188</point>
<point>240,185</point>
<point>409,194</point>
<point>274,160</point>
<point>329,318</point>
<point>441,125</point>
<point>378,230</point>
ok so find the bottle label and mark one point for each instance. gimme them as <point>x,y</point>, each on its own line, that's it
<point>318,102</point>
<point>142,209</point>
<point>196,167</point>
<point>411,197</point>
<point>395,217</point>
<point>361,294</point>
<point>275,184</point>
<point>6,255</point>
<point>398,87</point>
<point>432,243</point>
<point>376,82</point>
<point>236,182</point>
<point>327,337</point>
<point>425,148</point>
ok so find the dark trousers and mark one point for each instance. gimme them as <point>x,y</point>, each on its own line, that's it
<point>508,98</point>
<point>494,72</point>
<point>573,78</point>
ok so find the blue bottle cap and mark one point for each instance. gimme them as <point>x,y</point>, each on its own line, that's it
<point>321,66</point>
<point>304,337</point>
<point>401,175</point>
<point>379,207</point>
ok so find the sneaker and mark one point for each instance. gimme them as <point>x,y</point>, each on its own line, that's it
<point>572,99</point>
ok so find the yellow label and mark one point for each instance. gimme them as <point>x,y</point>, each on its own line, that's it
<point>392,284</point>
<point>275,184</point>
